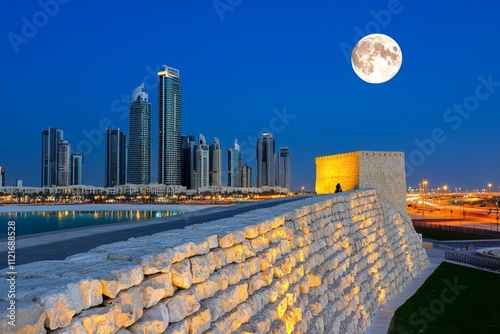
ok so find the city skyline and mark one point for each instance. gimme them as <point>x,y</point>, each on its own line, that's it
<point>241,70</point>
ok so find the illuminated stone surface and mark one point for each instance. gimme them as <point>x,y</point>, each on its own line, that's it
<point>322,264</point>
<point>384,171</point>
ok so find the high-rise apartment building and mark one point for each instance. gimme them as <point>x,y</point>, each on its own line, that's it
<point>2,176</point>
<point>246,176</point>
<point>188,162</point>
<point>64,165</point>
<point>139,139</point>
<point>76,169</point>
<point>51,139</point>
<point>215,158</point>
<point>202,163</point>
<point>234,166</point>
<point>284,168</point>
<point>115,158</point>
<point>169,126</point>
<point>266,161</point>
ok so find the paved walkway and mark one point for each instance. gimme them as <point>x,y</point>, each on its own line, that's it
<point>382,319</point>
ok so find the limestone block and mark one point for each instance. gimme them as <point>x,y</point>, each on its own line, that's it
<point>253,265</point>
<point>251,231</point>
<point>200,321</point>
<point>214,305</point>
<point>233,272</point>
<point>212,264</point>
<point>182,276</point>
<point>153,257</point>
<point>155,320</point>
<point>240,252</point>
<point>58,308</point>
<point>256,282</point>
<point>221,278</point>
<point>181,305</point>
<point>29,317</point>
<point>97,320</point>
<point>278,327</point>
<point>231,238</point>
<point>155,288</point>
<point>231,322</point>
<point>114,276</point>
<point>200,269</point>
<point>259,324</point>
<point>259,243</point>
<point>75,327</point>
<point>244,270</point>
<point>219,257</point>
<point>127,307</point>
<point>191,248</point>
<point>206,289</point>
<point>181,327</point>
<point>233,296</point>
<point>265,226</point>
<point>229,254</point>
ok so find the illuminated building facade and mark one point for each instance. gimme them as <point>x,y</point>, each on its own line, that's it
<point>169,126</point>
<point>202,163</point>
<point>215,158</point>
<point>266,161</point>
<point>115,158</point>
<point>76,169</point>
<point>139,140</point>
<point>50,157</point>
<point>284,168</point>
<point>234,166</point>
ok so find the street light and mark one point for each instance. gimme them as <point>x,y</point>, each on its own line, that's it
<point>489,186</point>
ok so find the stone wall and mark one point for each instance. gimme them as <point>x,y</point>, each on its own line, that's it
<point>384,171</point>
<point>320,265</point>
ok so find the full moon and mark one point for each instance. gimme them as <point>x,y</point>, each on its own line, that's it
<point>376,58</point>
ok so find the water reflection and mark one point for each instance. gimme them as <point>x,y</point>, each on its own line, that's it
<point>47,221</point>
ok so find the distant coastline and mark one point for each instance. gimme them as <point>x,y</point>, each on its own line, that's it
<point>103,207</point>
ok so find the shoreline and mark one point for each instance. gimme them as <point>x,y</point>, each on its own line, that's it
<point>105,207</point>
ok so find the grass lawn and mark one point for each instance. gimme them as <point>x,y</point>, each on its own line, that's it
<point>454,299</point>
<point>448,235</point>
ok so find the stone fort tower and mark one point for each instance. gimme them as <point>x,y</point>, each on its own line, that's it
<point>384,171</point>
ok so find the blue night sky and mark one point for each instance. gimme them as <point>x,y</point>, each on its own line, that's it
<point>247,66</point>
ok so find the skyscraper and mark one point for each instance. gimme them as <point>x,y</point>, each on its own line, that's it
<point>139,140</point>
<point>234,166</point>
<point>76,169</point>
<point>64,164</point>
<point>50,157</point>
<point>115,158</point>
<point>215,158</point>
<point>169,126</point>
<point>284,168</point>
<point>202,163</point>
<point>2,177</point>
<point>266,158</point>
<point>188,162</point>
<point>246,176</point>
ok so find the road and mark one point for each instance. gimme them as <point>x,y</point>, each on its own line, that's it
<point>60,245</point>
